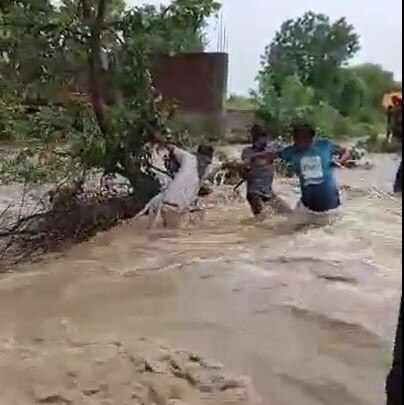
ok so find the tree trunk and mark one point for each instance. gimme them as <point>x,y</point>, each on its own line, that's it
<point>95,62</point>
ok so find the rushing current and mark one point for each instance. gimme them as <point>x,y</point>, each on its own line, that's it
<point>308,315</point>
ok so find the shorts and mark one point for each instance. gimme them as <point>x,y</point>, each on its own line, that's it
<point>321,200</point>
<point>303,216</point>
<point>258,203</point>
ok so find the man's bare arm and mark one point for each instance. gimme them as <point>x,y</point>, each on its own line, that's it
<point>269,155</point>
<point>342,154</point>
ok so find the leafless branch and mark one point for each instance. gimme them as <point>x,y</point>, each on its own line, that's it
<point>116,35</point>
<point>4,212</point>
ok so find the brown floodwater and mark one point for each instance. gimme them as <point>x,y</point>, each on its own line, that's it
<point>309,315</point>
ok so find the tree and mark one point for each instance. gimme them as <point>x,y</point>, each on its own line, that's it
<point>347,92</point>
<point>311,48</point>
<point>305,72</point>
<point>277,109</point>
<point>376,83</point>
<point>46,47</point>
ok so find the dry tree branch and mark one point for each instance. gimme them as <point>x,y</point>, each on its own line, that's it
<point>4,213</point>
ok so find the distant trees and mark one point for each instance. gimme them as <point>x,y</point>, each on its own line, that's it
<point>305,73</point>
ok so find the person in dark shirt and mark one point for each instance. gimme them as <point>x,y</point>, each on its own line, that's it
<point>259,174</point>
<point>397,133</point>
<point>398,183</point>
<point>394,385</point>
<point>396,118</point>
<point>389,113</point>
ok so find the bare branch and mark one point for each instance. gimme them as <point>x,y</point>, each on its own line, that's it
<point>116,35</point>
<point>167,10</point>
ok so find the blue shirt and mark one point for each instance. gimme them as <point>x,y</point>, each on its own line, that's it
<point>313,166</point>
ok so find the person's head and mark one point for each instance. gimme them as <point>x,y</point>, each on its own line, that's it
<point>303,134</point>
<point>259,136</point>
<point>205,157</point>
<point>206,151</point>
<point>397,101</point>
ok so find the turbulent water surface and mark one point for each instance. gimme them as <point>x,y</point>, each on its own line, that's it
<point>308,315</point>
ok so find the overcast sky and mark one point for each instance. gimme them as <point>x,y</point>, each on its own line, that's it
<point>251,25</point>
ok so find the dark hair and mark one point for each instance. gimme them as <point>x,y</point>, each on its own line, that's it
<point>258,131</point>
<point>205,158</point>
<point>206,150</point>
<point>304,130</point>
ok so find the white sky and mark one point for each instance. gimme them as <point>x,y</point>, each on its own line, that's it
<point>251,25</point>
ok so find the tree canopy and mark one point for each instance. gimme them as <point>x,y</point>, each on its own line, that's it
<point>46,49</point>
<point>306,73</point>
<point>308,47</point>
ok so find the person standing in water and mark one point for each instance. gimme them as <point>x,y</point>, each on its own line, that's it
<point>394,386</point>
<point>259,173</point>
<point>397,133</point>
<point>312,161</point>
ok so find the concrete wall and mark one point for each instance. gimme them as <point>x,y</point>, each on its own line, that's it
<point>239,120</point>
<point>197,84</point>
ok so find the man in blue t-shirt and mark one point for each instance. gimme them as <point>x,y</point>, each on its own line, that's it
<point>312,161</point>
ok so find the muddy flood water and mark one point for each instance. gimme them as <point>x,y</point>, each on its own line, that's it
<point>309,316</point>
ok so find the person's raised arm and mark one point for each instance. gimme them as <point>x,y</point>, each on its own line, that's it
<point>341,153</point>
<point>285,154</point>
<point>270,156</point>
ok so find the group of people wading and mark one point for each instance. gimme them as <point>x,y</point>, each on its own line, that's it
<point>311,158</point>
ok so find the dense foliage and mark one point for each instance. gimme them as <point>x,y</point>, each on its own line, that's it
<point>77,73</point>
<point>305,74</point>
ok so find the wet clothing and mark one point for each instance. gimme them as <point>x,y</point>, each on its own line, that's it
<point>398,184</point>
<point>313,166</point>
<point>397,123</point>
<point>257,202</point>
<point>396,128</point>
<point>260,175</point>
<point>183,189</point>
<point>259,178</point>
<point>171,165</point>
<point>390,113</point>
<point>203,164</point>
<point>395,378</point>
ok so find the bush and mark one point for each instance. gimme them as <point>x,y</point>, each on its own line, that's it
<point>36,124</point>
<point>304,72</point>
<point>295,101</point>
<point>377,144</point>
<point>363,129</point>
<point>36,165</point>
<point>329,121</point>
